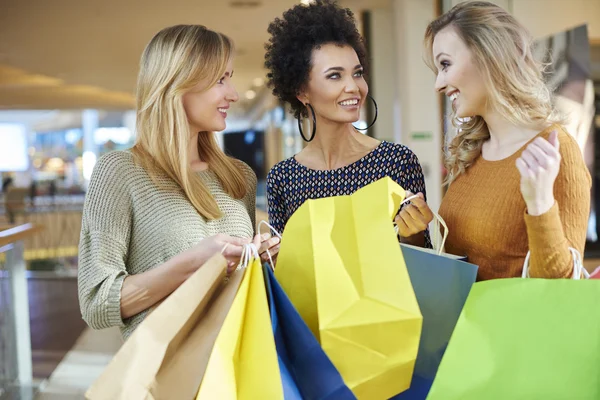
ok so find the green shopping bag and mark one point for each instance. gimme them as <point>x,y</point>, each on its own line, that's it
<point>524,339</point>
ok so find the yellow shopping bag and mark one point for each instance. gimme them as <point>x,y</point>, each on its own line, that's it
<point>342,268</point>
<point>243,363</point>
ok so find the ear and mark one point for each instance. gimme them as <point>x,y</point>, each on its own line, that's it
<point>302,97</point>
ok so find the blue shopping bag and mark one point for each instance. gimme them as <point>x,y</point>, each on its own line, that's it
<point>442,283</point>
<point>306,371</point>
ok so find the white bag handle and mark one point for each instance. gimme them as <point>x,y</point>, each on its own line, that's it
<point>578,268</point>
<point>439,221</point>
<point>249,253</point>
<point>276,234</point>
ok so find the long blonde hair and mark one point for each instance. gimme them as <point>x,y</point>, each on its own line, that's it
<point>176,59</point>
<point>502,50</point>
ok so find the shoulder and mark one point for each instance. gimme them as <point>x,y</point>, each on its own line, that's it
<point>397,155</point>
<point>571,154</point>
<point>397,151</point>
<point>248,172</point>
<point>568,144</point>
<point>115,169</point>
<point>283,170</point>
<point>114,162</point>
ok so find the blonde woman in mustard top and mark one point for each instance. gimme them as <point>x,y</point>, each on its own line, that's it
<point>517,179</point>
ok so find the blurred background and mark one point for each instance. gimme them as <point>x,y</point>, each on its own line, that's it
<point>67,79</point>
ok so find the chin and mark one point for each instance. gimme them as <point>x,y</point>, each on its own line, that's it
<point>464,114</point>
<point>218,128</point>
<point>348,119</point>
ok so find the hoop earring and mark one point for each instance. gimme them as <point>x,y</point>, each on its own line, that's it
<point>374,119</point>
<point>314,129</point>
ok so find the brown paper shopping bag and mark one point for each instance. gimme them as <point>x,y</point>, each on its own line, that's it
<point>165,358</point>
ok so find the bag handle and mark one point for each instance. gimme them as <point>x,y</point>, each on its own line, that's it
<point>439,221</point>
<point>249,253</point>
<point>263,222</point>
<point>578,268</point>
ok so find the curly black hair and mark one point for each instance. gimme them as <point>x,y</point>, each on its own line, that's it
<point>293,38</point>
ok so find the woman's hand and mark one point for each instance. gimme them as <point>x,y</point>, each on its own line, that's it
<point>230,247</point>
<point>270,243</point>
<point>414,217</point>
<point>539,165</point>
<point>144,290</point>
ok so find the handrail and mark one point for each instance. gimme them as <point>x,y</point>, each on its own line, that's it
<point>17,307</point>
<point>15,233</point>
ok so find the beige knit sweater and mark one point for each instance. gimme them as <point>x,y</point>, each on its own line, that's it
<point>130,226</point>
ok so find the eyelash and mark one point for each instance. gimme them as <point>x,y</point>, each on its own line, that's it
<point>360,74</point>
<point>222,80</point>
<point>445,65</point>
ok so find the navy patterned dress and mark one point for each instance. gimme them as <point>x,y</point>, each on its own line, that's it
<point>290,184</point>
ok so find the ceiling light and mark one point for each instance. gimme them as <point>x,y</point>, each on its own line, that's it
<point>258,82</point>
<point>250,94</point>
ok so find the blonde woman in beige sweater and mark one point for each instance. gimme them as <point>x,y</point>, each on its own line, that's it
<point>153,215</point>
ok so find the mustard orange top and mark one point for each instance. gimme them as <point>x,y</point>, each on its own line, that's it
<point>488,221</point>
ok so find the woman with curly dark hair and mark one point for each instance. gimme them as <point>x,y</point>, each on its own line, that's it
<point>317,64</point>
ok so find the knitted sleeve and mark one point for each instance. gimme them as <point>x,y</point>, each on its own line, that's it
<point>104,241</point>
<point>250,198</point>
<point>565,225</point>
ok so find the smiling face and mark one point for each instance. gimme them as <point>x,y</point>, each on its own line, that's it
<point>336,88</point>
<point>206,109</point>
<point>458,77</point>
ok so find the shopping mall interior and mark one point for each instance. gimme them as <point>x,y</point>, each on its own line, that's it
<point>68,73</point>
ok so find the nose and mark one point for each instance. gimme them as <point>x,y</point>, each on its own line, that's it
<point>351,86</point>
<point>440,83</point>
<point>232,95</point>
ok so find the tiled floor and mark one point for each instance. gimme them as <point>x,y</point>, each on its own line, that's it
<point>81,366</point>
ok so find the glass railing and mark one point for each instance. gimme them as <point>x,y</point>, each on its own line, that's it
<point>15,339</point>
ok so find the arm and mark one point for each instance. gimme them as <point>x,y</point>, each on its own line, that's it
<point>552,231</point>
<point>276,209</point>
<point>107,292</point>
<point>414,217</point>
<point>142,291</point>
<point>104,243</point>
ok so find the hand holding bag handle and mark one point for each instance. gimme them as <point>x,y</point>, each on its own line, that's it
<point>437,246</point>
<point>578,269</point>
<point>263,222</point>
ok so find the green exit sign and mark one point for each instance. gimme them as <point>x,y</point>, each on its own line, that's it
<point>421,136</point>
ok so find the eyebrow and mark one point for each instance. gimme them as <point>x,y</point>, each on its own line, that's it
<point>444,54</point>
<point>340,69</point>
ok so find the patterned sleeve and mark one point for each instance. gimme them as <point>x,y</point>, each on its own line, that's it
<point>277,217</point>
<point>411,178</point>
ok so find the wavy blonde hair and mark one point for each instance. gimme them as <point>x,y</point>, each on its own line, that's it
<point>502,50</point>
<point>177,59</point>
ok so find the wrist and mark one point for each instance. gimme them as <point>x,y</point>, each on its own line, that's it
<point>417,239</point>
<point>540,207</point>
<point>188,262</point>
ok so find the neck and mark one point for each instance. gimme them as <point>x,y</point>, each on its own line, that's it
<point>505,133</point>
<point>334,142</point>
<point>194,158</point>
<point>193,148</point>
